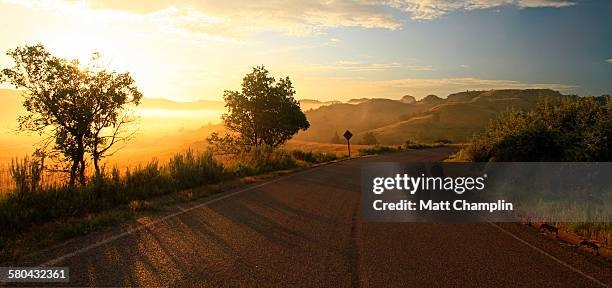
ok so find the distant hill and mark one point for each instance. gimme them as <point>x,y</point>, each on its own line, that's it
<point>309,104</point>
<point>407,99</point>
<point>431,99</point>
<point>456,118</point>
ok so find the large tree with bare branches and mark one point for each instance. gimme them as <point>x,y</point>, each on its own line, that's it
<point>81,110</point>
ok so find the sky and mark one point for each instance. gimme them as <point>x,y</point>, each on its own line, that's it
<point>332,50</point>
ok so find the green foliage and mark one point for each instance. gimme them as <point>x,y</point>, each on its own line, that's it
<point>263,113</point>
<point>190,170</point>
<point>226,144</point>
<point>417,145</point>
<point>567,130</point>
<point>264,159</point>
<point>378,149</point>
<point>313,157</point>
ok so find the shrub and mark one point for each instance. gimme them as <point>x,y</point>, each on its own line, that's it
<point>189,170</point>
<point>266,159</point>
<point>27,175</point>
<point>417,145</point>
<point>313,157</point>
<point>573,129</point>
<point>377,150</point>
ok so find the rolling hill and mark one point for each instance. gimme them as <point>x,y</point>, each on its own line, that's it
<point>456,118</point>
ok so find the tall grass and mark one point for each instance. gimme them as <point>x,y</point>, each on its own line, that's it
<point>31,203</point>
<point>378,149</point>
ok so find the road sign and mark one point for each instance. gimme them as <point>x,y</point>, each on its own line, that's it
<point>348,135</point>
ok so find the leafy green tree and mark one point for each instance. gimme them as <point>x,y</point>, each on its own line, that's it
<point>79,110</point>
<point>264,112</point>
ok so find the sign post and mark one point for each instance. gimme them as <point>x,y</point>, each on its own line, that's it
<point>348,136</point>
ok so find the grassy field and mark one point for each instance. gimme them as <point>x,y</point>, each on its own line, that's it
<point>141,152</point>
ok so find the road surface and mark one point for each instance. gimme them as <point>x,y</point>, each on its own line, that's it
<point>304,229</point>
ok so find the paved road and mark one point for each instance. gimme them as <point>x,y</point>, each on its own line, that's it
<point>305,230</point>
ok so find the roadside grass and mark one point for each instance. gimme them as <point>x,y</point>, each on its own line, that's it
<point>599,231</point>
<point>378,149</point>
<point>41,216</point>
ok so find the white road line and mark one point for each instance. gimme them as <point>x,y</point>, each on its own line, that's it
<point>182,211</point>
<point>548,255</point>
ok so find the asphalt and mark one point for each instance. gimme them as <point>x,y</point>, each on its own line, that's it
<point>305,230</point>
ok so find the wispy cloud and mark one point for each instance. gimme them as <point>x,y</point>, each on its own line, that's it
<point>292,17</point>
<point>351,66</point>
<point>357,66</point>
<point>431,9</point>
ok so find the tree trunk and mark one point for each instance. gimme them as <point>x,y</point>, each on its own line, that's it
<point>73,171</point>
<point>96,165</point>
<point>96,159</point>
<point>81,159</point>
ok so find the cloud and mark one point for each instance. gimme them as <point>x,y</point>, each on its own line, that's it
<point>294,17</point>
<point>357,66</point>
<point>350,66</point>
<point>431,9</point>
<point>609,61</point>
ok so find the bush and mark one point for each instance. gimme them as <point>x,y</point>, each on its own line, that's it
<point>265,159</point>
<point>188,170</point>
<point>377,150</point>
<point>27,175</point>
<point>573,129</point>
<point>417,145</point>
<point>313,157</point>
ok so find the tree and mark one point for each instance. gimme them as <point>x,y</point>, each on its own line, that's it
<point>369,139</point>
<point>336,138</point>
<point>79,110</point>
<point>264,112</point>
<point>112,95</point>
